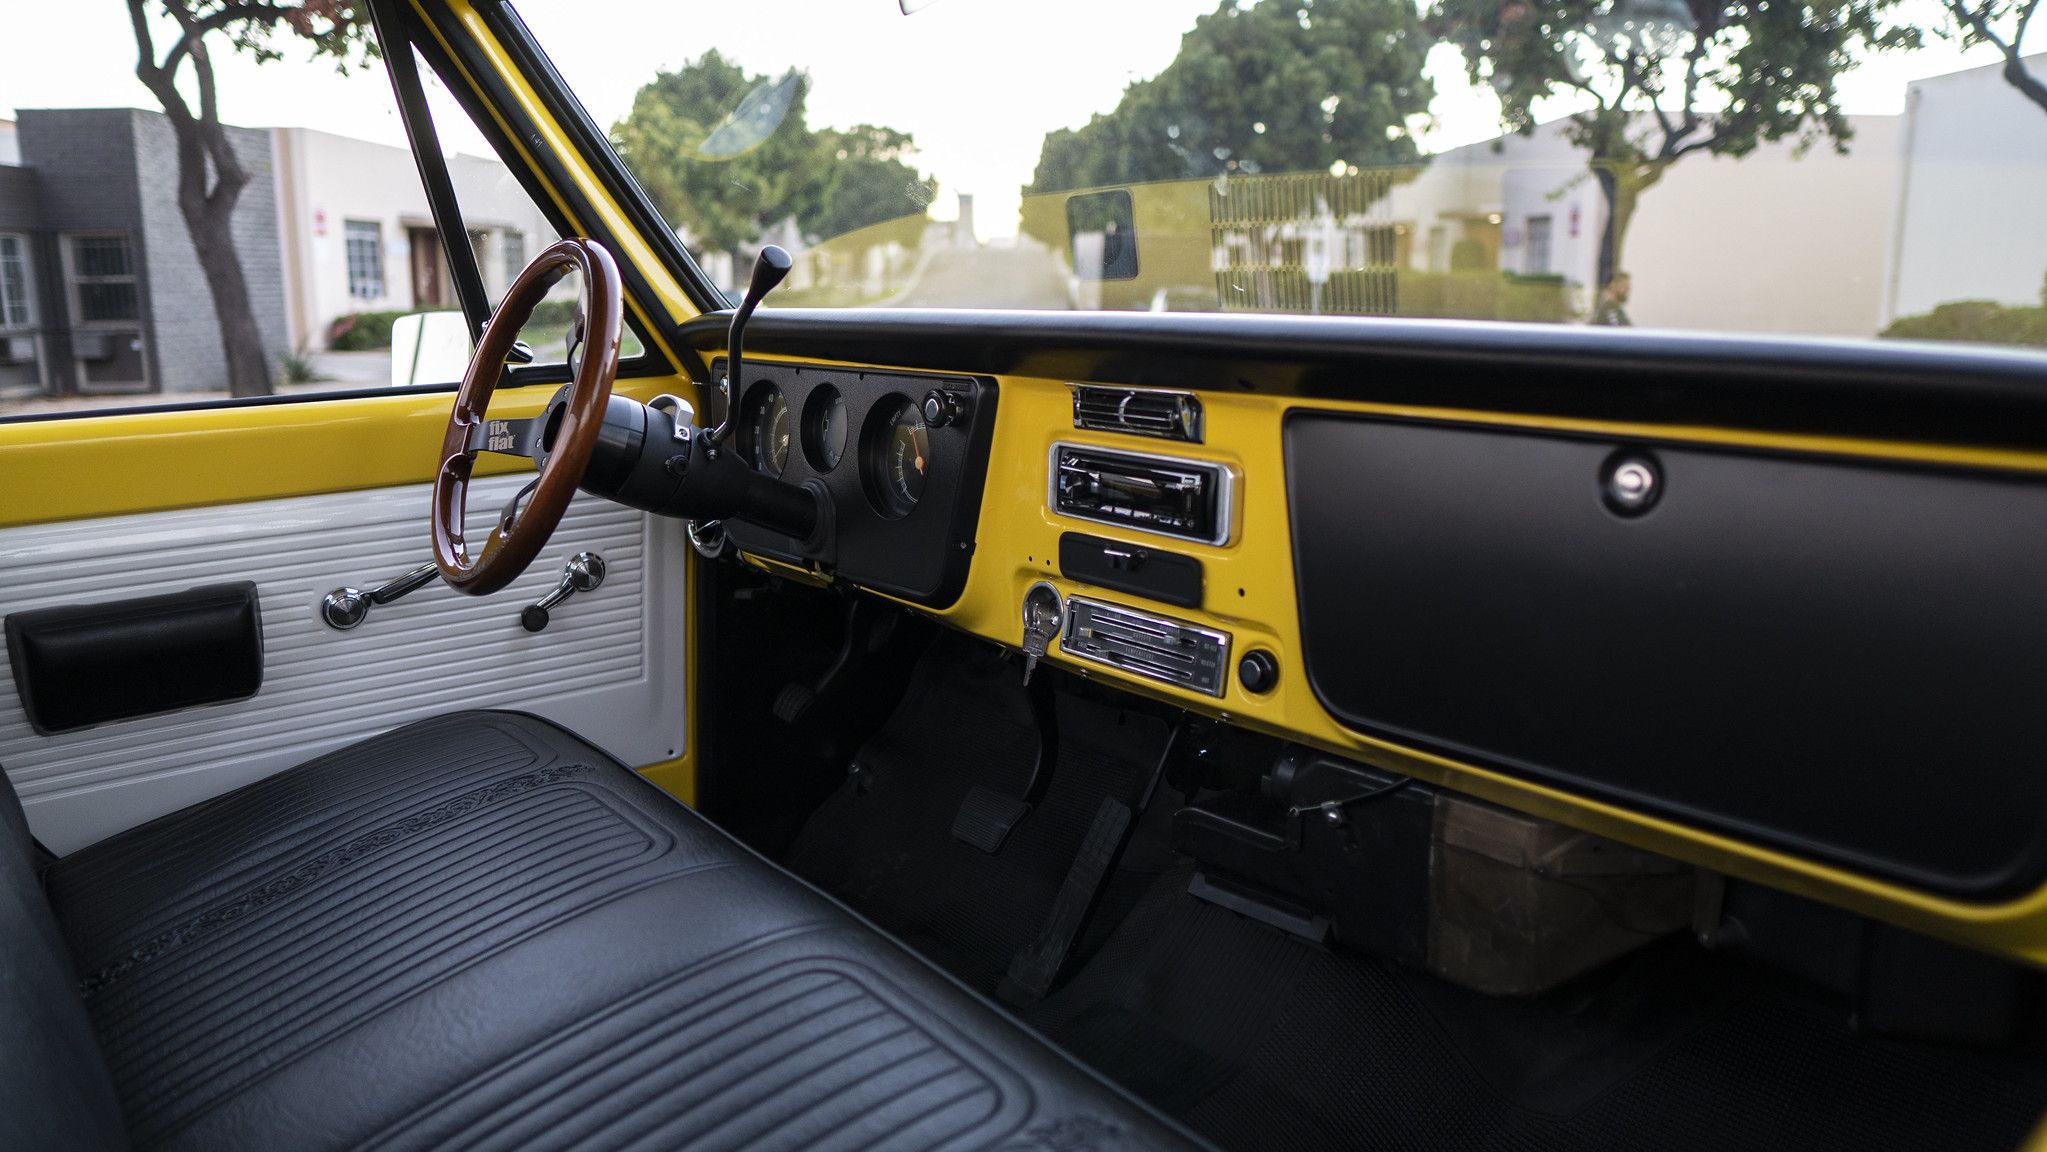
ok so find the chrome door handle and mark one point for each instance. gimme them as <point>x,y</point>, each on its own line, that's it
<point>346,607</point>
<point>583,573</point>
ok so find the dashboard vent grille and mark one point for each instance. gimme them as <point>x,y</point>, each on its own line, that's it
<point>1154,647</point>
<point>1138,411</point>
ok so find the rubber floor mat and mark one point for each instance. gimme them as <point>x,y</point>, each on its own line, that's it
<point>1259,1041</point>
<point>884,842</point>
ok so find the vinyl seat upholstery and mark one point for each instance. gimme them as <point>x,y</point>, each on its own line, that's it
<point>478,931</point>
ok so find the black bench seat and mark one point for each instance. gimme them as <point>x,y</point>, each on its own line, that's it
<point>479,931</point>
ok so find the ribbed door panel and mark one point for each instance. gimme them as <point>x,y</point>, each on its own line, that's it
<point>609,666</point>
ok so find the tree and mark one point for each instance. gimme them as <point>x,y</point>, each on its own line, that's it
<point>867,179</point>
<point>720,161</point>
<point>1282,85</point>
<point>211,176</point>
<point>2001,24</point>
<point>726,155</point>
<point>1667,79</point>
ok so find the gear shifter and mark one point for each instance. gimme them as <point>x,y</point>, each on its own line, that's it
<point>769,269</point>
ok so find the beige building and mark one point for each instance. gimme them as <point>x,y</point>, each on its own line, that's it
<point>357,235</point>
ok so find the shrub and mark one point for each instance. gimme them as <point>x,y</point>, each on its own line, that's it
<point>362,331</point>
<point>1470,255</point>
<point>1482,296</point>
<point>1975,322</point>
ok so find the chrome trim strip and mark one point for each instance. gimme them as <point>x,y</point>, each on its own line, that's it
<point>1159,664</point>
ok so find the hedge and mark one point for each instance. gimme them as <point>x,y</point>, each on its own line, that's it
<point>362,331</point>
<point>371,331</point>
<point>1975,322</point>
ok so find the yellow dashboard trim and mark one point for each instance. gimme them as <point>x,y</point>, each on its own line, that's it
<point>1250,595</point>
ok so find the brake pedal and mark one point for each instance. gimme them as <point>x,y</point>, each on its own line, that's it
<point>986,817</point>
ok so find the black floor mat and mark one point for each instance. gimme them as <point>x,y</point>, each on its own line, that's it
<point>884,843</point>
<point>1260,1041</point>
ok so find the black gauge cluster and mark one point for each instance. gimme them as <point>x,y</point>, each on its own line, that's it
<point>897,458</point>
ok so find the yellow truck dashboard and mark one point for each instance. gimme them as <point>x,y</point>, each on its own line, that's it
<point>1635,625</point>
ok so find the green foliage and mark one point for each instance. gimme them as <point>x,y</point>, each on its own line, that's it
<point>1669,78</point>
<point>726,155</point>
<point>1482,296</point>
<point>337,30</point>
<point>297,367</point>
<point>362,331</point>
<point>866,180</point>
<point>1470,255</point>
<point>1975,322</point>
<point>1282,85</point>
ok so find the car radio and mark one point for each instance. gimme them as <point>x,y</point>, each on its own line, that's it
<point>1189,499</point>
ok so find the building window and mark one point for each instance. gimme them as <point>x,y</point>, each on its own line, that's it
<point>104,289</point>
<point>365,241</point>
<point>1538,263</point>
<point>514,248</point>
<point>17,305</point>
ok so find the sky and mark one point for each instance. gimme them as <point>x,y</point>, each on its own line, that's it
<point>978,83</point>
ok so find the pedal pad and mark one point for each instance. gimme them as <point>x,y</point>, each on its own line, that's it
<point>986,817</point>
<point>1037,965</point>
<point>792,702</point>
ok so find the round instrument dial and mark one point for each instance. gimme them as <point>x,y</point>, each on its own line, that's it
<point>824,428</point>
<point>897,458</point>
<point>769,442</point>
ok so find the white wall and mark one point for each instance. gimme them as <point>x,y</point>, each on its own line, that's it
<point>1972,192</point>
<point>327,180</point>
<point>1772,242</point>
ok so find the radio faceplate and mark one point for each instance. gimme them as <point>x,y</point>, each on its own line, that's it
<point>1165,495</point>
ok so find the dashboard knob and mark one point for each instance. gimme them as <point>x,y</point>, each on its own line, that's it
<point>1258,671</point>
<point>940,408</point>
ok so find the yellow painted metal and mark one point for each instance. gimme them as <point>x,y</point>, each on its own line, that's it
<point>119,463</point>
<point>1250,594</point>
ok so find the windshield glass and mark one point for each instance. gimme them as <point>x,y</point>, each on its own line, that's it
<point>1847,168</point>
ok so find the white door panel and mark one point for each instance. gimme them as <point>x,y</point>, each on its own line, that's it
<point>609,666</point>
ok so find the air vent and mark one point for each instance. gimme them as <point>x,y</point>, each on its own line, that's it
<point>1138,411</point>
<point>1154,647</point>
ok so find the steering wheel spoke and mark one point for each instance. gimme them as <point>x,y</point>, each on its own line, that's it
<point>573,417</point>
<point>505,437</point>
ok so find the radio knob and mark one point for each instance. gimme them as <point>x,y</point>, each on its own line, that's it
<point>940,408</point>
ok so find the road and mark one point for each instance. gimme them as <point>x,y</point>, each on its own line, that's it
<point>1027,275</point>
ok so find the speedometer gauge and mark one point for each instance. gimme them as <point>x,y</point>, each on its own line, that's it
<point>769,440</point>
<point>896,457</point>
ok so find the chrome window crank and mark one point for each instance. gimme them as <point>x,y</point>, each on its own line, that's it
<point>583,573</point>
<point>344,608</point>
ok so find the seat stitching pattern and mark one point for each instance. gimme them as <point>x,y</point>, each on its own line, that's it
<point>681,1064</point>
<point>312,870</point>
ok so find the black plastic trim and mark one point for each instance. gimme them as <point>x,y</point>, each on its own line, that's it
<point>1831,657</point>
<point>394,25</point>
<point>75,666</point>
<point>1884,390</point>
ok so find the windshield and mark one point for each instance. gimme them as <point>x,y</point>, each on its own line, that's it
<point>1848,168</point>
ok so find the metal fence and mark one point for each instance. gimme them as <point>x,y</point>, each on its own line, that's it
<point>1304,243</point>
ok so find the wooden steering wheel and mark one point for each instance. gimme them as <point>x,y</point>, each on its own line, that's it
<point>560,438</point>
